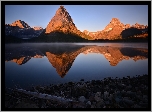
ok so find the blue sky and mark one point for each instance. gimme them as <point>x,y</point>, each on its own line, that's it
<point>86,17</point>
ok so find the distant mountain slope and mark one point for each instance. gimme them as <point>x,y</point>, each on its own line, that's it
<point>117,30</point>
<point>22,30</point>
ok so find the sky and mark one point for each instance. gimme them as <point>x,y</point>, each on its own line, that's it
<point>86,17</point>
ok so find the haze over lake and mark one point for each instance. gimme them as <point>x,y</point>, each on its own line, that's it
<point>30,64</point>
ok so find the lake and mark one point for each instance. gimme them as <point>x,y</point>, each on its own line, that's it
<point>31,64</point>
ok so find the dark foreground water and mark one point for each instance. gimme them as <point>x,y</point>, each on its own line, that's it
<point>54,63</point>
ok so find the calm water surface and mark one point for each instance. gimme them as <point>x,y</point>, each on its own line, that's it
<point>31,64</point>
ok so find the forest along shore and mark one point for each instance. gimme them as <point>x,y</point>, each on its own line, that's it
<point>126,92</point>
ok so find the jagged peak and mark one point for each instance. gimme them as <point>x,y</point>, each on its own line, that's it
<point>61,10</point>
<point>115,20</point>
<point>20,23</point>
<point>19,20</point>
<point>61,18</point>
<point>61,6</point>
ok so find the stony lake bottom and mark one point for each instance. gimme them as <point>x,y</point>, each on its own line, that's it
<point>57,66</point>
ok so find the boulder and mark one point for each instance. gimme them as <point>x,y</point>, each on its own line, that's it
<point>82,99</point>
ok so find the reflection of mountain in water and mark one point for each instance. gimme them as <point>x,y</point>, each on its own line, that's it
<point>22,55</point>
<point>62,57</point>
<point>63,62</point>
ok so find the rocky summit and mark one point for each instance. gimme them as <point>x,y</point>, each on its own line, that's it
<point>112,30</point>
<point>20,24</point>
<point>63,22</point>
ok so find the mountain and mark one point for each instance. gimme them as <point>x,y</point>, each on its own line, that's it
<point>20,24</point>
<point>112,30</point>
<point>61,28</point>
<point>62,25</point>
<point>117,30</point>
<point>22,30</point>
<point>61,21</point>
<point>37,28</point>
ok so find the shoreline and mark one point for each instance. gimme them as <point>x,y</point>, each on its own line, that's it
<point>80,42</point>
<point>116,92</point>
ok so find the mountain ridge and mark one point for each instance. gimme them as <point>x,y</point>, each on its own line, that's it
<point>21,29</point>
<point>62,28</point>
<point>115,28</point>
